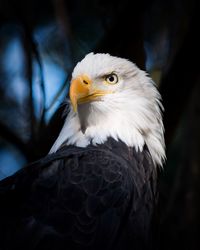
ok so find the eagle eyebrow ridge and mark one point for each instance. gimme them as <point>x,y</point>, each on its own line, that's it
<point>102,76</point>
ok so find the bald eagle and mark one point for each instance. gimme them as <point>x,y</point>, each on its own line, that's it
<point>96,189</point>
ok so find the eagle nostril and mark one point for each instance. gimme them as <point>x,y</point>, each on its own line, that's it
<point>84,81</point>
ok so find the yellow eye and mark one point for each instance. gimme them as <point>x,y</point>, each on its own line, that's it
<point>111,78</point>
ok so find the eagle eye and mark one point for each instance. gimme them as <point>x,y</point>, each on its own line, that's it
<point>111,78</point>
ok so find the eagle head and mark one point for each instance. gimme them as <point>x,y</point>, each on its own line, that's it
<point>112,97</point>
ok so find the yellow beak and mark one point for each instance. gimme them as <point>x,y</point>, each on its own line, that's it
<point>82,91</point>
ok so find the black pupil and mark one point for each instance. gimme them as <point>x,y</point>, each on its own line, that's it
<point>111,78</point>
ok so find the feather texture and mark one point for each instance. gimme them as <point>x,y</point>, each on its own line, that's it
<point>80,198</point>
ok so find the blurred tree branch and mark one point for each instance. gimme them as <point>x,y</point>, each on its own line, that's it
<point>39,61</point>
<point>178,83</point>
<point>62,17</point>
<point>29,76</point>
<point>31,51</point>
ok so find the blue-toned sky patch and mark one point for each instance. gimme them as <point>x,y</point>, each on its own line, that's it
<point>13,67</point>
<point>10,161</point>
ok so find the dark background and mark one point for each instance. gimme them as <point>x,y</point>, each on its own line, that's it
<point>41,41</point>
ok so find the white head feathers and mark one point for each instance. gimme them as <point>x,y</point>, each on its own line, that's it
<point>130,113</point>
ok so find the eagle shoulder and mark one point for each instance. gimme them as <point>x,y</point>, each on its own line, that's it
<point>85,199</point>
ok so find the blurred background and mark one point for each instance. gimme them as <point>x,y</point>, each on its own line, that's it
<point>41,41</point>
